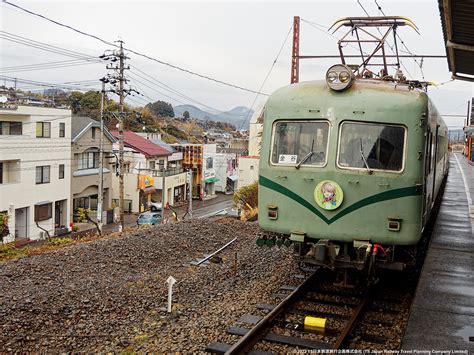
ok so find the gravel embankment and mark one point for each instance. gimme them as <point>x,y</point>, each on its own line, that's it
<point>110,295</point>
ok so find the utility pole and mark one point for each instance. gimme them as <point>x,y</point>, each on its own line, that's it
<point>101,159</point>
<point>190,184</point>
<point>163,189</point>
<point>295,58</point>
<point>119,77</point>
<point>121,163</point>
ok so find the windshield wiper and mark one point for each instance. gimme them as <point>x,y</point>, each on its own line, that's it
<point>363,158</point>
<point>306,157</point>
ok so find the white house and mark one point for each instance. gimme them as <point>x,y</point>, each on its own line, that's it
<point>248,165</point>
<point>209,170</point>
<point>225,165</point>
<point>35,171</point>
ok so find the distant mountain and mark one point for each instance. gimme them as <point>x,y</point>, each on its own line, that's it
<point>236,116</point>
<point>194,112</point>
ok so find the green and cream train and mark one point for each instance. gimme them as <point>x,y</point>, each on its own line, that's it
<point>349,170</point>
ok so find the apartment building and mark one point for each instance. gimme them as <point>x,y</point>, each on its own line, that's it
<point>35,171</point>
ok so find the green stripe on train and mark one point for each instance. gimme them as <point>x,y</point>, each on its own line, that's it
<point>383,196</point>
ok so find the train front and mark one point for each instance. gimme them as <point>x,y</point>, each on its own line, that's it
<point>341,171</point>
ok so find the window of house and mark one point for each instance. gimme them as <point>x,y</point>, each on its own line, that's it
<point>42,174</point>
<point>43,212</point>
<point>209,163</point>
<point>89,160</point>
<point>152,165</point>
<point>8,128</point>
<point>93,132</point>
<point>1,173</point>
<point>43,129</point>
<point>62,129</point>
<point>61,171</point>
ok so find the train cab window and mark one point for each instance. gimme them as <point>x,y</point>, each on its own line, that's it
<point>371,146</point>
<point>300,142</point>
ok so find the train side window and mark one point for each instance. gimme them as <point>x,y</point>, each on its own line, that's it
<point>381,146</point>
<point>295,140</point>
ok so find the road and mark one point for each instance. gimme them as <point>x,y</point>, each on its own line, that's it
<point>201,209</point>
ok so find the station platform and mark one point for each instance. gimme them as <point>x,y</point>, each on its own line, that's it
<point>442,313</point>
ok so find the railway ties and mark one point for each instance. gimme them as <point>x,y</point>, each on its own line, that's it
<point>281,329</point>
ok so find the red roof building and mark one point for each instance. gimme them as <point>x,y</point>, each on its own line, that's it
<point>142,145</point>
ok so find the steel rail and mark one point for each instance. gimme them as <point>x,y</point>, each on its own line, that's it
<point>351,322</point>
<point>247,341</point>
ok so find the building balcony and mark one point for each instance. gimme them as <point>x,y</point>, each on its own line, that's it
<point>168,172</point>
<point>88,172</point>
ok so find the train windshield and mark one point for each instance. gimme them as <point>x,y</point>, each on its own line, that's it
<point>371,146</point>
<point>294,141</point>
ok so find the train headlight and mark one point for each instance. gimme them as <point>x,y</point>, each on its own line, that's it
<point>332,76</point>
<point>339,77</point>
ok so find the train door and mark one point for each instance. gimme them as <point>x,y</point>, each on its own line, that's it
<point>435,162</point>
<point>427,189</point>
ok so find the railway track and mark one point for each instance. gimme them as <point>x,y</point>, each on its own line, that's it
<point>350,315</point>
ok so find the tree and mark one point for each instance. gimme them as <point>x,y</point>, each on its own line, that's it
<point>74,101</point>
<point>186,114</point>
<point>90,101</point>
<point>161,109</point>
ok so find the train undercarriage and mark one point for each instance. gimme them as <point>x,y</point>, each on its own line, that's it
<point>360,259</point>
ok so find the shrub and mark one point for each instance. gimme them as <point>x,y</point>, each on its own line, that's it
<point>247,196</point>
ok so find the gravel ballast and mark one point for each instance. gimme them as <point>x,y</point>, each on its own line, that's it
<point>111,295</point>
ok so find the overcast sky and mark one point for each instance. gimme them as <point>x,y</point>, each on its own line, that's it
<point>235,42</point>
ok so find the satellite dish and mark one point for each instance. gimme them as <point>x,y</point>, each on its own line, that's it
<point>3,99</point>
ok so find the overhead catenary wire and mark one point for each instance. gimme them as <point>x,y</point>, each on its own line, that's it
<point>266,78</point>
<point>132,51</point>
<point>403,43</point>
<point>391,48</point>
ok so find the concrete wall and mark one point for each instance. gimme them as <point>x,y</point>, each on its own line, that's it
<point>30,152</point>
<point>248,170</point>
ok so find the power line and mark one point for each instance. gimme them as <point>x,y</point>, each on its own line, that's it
<point>168,88</point>
<point>134,52</point>
<point>73,63</point>
<point>39,83</point>
<point>44,46</point>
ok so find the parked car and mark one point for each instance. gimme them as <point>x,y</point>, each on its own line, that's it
<point>155,206</point>
<point>149,218</point>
